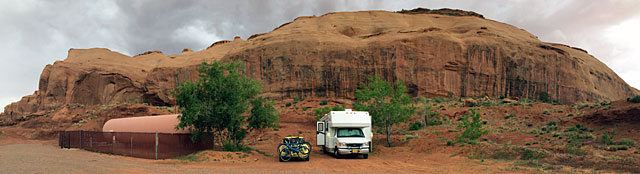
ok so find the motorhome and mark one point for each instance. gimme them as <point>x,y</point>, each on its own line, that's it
<point>345,133</point>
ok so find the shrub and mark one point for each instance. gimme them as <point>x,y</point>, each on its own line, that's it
<point>607,138</point>
<point>618,147</point>
<point>626,141</point>
<point>544,97</point>
<point>583,106</point>
<point>410,137</point>
<point>471,129</point>
<point>509,116</point>
<point>305,108</point>
<point>324,102</point>
<point>634,99</point>
<point>450,143</point>
<point>420,99</point>
<point>287,105</point>
<point>415,125</point>
<point>487,103</point>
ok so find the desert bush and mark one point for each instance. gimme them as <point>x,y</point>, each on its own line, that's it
<point>627,142</point>
<point>410,137</point>
<point>420,99</point>
<point>487,103</point>
<point>607,138</point>
<point>544,97</point>
<point>618,147</point>
<point>634,99</point>
<point>324,102</point>
<point>471,129</point>
<point>450,143</point>
<point>415,125</point>
<point>509,116</point>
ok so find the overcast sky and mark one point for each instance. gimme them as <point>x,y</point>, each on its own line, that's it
<point>36,33</point>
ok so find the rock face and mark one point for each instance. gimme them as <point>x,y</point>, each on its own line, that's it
<point>330,55</point>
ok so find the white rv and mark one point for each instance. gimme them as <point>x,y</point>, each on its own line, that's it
<point>345,132</point>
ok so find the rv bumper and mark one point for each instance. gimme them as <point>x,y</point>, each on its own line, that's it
<point>345,151</point>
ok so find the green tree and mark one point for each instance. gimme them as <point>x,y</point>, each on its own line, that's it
<point>387,104</point>
<point>472,129</point>
<point>216,102</point>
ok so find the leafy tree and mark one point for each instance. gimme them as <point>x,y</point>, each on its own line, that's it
<point>387,104</point>
<point>472,129</point>
<point>216,102</point>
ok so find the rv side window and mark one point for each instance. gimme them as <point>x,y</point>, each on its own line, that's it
<point>320,126</point>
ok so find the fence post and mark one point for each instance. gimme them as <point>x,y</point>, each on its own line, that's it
<point>68,140</point>
<point>156,145</point>
<point>80,139</point>
<point>131,152</point>
<point>61,139</point>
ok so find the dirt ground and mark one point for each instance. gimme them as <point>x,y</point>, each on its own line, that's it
<point>43,157</point>
<point>24,149</point>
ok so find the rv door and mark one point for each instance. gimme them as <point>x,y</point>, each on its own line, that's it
<point>320,133</point>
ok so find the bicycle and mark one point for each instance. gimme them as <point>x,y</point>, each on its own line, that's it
<point>294,147</point>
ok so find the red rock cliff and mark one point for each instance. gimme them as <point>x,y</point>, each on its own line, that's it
<point>330,55</point>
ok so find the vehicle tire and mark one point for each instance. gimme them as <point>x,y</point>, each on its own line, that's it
<point>336,153</point>
<point>365,156</point>
<point>308,145</point>
<point>284,153</point>
<point>304,153</point>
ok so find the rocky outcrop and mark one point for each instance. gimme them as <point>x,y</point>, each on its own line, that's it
<point>331,55</point>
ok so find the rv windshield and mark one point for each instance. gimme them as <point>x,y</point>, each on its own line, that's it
<point>350,132</point>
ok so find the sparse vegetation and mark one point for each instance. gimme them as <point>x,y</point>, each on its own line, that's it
<point>509,116</point>
<point>634,99</point>
<point>324,102</point>
<point>471,129</point>
<point>607,138</point>
<point>627,142</point>
<point>191,158</point>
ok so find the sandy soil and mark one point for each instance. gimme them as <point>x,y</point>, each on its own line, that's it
<point>46,158</point>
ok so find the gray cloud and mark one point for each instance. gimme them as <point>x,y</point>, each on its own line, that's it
<point>36,33</point>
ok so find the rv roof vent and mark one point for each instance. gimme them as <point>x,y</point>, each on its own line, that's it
<point>348,110</point>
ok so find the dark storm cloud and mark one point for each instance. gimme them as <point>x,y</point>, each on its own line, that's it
<point>36,33</point>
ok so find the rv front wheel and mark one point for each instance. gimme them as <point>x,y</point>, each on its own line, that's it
<point>336,153</point>
<point>365,156</point>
